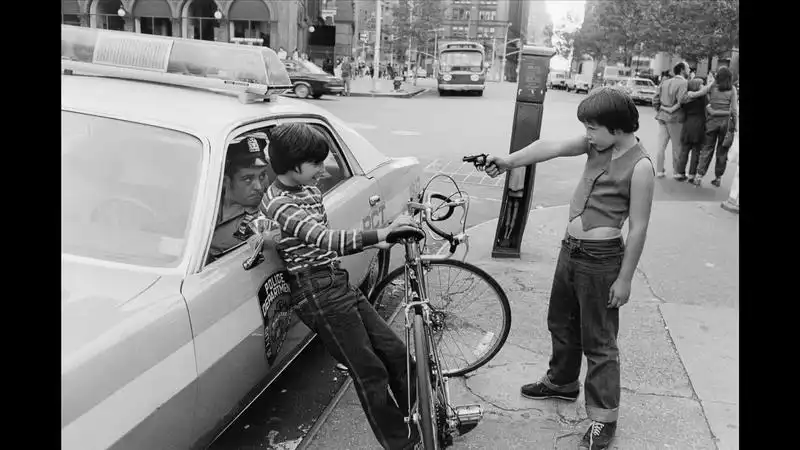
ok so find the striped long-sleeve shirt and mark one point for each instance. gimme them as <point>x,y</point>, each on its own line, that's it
<point>305,238</point>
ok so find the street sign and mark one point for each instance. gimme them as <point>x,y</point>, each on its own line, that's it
<point>364,36</point>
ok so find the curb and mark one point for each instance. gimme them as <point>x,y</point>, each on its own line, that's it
<point>389,94</point>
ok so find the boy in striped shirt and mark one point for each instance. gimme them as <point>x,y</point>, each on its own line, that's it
<point>348,325</point>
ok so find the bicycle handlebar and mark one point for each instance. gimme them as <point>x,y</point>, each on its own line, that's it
<point>453,239</point>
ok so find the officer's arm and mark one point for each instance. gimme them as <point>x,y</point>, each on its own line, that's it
<point>545,150</point>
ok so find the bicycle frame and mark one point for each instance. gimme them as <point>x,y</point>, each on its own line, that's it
<point>416,289</point>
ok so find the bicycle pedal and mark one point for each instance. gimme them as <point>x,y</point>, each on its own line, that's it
<point>467,417</point>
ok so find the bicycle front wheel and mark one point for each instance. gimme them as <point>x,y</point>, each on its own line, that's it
<point>470,312</point>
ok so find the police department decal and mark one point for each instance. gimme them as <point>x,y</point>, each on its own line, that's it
<point>274,298</point>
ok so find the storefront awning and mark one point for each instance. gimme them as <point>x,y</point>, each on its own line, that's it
<point>151,8</point>
<point>255,10</point>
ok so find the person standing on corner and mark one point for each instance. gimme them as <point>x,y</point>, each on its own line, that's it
<point>347,74</point>
<point>671,92</point>
<point>595,267</point>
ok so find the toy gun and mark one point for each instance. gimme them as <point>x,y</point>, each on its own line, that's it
<point>478,160</point>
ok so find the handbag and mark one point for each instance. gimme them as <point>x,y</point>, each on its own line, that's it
<point>728,141</point>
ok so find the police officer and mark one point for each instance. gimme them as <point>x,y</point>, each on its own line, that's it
<point>243,186</point>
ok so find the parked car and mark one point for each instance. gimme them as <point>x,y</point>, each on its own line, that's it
<point>579,83</point>
<point>557,80</point>
<point>310,80</point>
<point>642,90</point>
<point>162,343</point>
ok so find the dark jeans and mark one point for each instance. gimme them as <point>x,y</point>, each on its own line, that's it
<point>716,129</point>
<point>357,337</point>
<point>686,150</point>
<point>580,321</point>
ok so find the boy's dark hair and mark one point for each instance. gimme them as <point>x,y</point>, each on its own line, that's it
<point>292,144</point>
<point>678,68</point>
<point>610,107</point>
<point>724,79</point>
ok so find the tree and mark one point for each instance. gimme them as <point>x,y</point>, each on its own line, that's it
<point>415,20</point>
<point>707,28</point>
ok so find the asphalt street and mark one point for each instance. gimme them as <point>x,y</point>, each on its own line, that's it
<point>438,131</point>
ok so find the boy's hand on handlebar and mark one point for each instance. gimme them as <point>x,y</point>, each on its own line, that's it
<point>496,165</point>
<point>404,220</point>
<point>382,246</point>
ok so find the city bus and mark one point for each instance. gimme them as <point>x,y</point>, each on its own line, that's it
<point>461,68</point>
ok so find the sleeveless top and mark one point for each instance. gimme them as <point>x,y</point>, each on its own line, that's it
<point>602,198</point>
<point>720,100</point>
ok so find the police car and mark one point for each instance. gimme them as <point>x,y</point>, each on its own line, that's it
<point>164,342</point>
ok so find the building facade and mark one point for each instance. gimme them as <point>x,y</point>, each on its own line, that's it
<point>278,23</point>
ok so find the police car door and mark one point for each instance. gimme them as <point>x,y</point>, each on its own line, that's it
<point>351,200</point>
<point>234,357</point>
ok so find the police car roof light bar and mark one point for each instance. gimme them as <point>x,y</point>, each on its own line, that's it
<point>247,71</point>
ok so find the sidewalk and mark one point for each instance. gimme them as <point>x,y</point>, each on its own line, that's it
<point>362,87</point>
<point>678,341</point>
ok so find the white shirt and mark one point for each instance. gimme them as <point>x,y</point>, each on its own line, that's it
<point>281,54</point>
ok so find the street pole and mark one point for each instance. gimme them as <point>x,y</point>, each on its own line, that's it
<point>436,53</point>
<point>505,49</point>
<point>377,57</point>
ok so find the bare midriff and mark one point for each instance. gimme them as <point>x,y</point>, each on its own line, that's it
<point>575,229</point>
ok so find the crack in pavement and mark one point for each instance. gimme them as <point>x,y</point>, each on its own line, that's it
<point>569,421</point>
<point>649,286</point>
<point>502,408</point>
<point>654,394</point>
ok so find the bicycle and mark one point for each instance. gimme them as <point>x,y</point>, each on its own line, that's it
<point>428,318</point>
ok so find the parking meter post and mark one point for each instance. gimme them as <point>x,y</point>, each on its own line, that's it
<point>534,67</point>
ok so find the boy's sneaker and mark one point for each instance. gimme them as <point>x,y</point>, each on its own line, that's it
<point>599,435</point>
<point>661,174</point>
<point>716,181</point>
<point>539,391</point>
<point>679,177</point>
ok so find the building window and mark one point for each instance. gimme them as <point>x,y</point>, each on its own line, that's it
<point>161,26</point>
<point>487,15</point>
<point>459,31</point>
<point>71,19</point>
<point>486,32</point>
<point>459,14</point>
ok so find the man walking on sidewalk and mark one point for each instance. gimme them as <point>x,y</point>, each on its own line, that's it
<point>595,267</point>
<point>347,74</point>
<point>670,124</point>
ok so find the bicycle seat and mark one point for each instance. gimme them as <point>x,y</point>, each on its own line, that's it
<point>412,233</point>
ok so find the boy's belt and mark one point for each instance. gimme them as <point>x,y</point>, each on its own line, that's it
<point>308,271</point>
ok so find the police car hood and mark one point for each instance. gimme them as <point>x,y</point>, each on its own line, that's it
<point>97,307</point>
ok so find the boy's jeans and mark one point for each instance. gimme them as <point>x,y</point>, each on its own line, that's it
<point>578,319</point>
<point>357,337</point>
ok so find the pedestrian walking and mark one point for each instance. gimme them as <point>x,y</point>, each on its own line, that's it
<point>347,74</point>
<point>720,126</point>
<point>337,71</point>
<point>671,92</point>
<point>371,71</point>
<point>595,267</point>
<point>296,55</point>
<point>322,297</point>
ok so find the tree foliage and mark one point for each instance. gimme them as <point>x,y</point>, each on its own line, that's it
<point>414,21</point>
<point>695,29</point>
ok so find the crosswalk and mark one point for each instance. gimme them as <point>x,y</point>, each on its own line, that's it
<point>462,172</point>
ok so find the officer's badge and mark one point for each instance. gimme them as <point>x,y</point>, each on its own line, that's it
<point>252,144</point>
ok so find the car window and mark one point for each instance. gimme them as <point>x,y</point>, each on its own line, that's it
<point>236,210</point>
<point>127,190</point>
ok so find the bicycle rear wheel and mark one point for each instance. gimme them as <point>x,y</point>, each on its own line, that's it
<point>426,405</point>
<point>470,313</point>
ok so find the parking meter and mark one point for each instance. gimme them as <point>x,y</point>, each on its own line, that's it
<point>534,66</point>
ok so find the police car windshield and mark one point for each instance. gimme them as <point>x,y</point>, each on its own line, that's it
<point>127,190</point>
